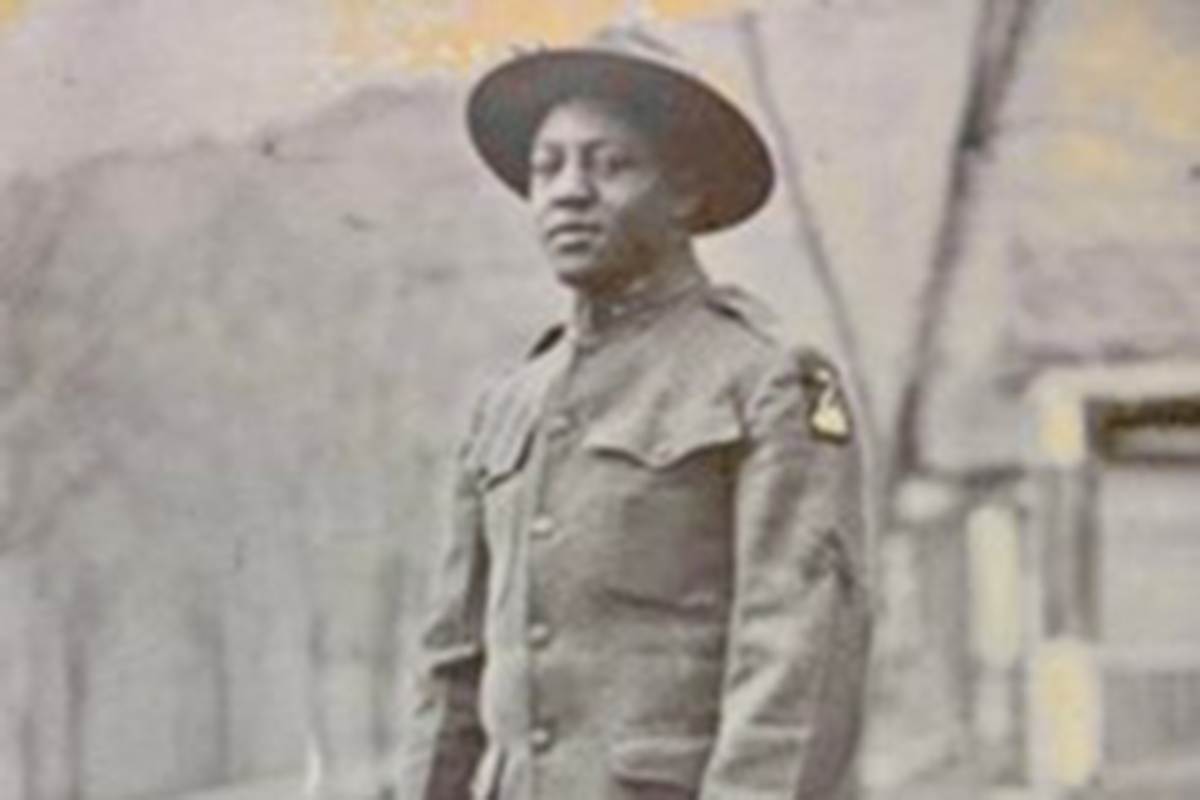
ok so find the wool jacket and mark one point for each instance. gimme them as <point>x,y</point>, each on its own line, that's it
<point>654,584</point>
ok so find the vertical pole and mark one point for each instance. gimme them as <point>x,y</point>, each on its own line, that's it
<point>999,42</point>
<point>807,232</point>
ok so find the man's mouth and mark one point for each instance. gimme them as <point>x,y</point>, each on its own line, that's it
<point>566,234</point>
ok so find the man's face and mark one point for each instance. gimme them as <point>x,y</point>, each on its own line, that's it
<point>605,209</point>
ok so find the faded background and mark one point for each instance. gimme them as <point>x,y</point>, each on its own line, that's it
<point>250,274</point>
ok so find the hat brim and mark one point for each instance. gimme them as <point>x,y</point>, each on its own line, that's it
<point>707,132</point>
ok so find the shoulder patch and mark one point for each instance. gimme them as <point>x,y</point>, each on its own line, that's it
<point>829,416</point>
<point>550,337</point>
<point>740,305</point>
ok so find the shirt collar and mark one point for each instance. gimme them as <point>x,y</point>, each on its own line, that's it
<point>595,318</point>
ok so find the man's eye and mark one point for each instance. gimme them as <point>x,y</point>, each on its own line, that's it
<point>542,166</point>
<point>611,164</point>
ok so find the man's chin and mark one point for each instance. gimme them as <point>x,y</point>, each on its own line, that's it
<point>581,274</point>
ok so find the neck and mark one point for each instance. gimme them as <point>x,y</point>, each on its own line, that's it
<point>597,310</point>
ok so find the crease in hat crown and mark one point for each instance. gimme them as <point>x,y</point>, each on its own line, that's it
<point>627,65</point>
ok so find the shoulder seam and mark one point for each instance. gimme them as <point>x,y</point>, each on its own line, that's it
<point>733,304</point>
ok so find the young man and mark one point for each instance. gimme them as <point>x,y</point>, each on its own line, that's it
<point>653,587</point>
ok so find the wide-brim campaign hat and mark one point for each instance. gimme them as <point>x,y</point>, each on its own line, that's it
<point>686,117</point>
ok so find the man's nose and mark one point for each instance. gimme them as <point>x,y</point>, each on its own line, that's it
<point>574,184</point>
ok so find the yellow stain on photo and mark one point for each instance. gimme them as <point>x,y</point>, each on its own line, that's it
<point>1066,745</point>
<point>1095,160</point>
<point>688,9</point>
<point>10,12</point>
<point>1127,76</point>
<point>460,34</point>
<point>1127,61</point>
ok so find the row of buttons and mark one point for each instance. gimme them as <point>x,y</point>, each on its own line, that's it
<point>542,736</point>
<point>543,527</point>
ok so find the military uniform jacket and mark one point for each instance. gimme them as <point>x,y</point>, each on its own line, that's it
<point>653,588</point>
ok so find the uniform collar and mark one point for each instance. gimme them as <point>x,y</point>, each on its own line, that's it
<point>596,318</point>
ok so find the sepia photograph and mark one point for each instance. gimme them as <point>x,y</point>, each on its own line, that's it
<point>600,400</point>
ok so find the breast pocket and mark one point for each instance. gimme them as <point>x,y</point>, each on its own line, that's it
<point>665,443</point>
<point>663,497</point>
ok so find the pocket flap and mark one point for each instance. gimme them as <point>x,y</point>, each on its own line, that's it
<point>667,437</point>
<point>505,457</point>
<point>665,760</point>
<point>502,449</point>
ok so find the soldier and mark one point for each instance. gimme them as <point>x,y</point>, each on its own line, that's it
<point>654,583</point>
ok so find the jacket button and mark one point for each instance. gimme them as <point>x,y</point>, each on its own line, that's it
<point>542,739</point>
<point>559,425</point>
<point>539,635</point>
<point>542,527</point>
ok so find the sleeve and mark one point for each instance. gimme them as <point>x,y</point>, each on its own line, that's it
<point>799,628</point>
<point>443,739</point>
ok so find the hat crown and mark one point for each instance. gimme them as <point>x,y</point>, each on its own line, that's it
<point>629,41</point>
